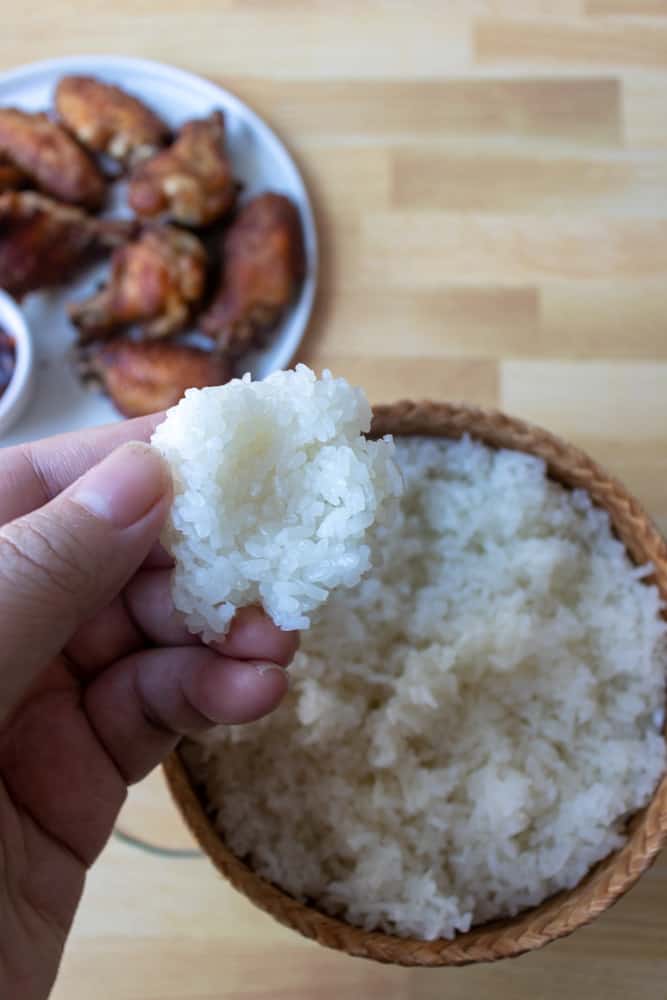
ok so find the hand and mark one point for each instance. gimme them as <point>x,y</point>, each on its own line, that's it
<point>98,676</point>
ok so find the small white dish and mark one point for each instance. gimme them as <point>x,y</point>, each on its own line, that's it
<point>16,396</point>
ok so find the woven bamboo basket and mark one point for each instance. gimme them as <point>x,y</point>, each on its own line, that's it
<point>611,878</point>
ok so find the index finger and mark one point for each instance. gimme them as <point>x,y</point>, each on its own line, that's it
<point>32,474</point>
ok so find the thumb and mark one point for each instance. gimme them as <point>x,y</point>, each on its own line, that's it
<point>64,562</point>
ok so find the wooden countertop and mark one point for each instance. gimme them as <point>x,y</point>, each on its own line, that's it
<point>491,186</point>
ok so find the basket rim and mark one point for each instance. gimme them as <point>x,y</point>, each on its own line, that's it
<point>611,878</point>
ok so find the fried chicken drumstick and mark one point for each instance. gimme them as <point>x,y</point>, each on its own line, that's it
<point>142,378</point>
<point>155,281</point>
<point>11,178</point>
<point>263,266</point>
<point>51,158</point>
<point>107,120</point>
<point>191,182</point>
<point>44,243</point>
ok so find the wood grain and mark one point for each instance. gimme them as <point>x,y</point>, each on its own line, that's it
<point>643,103</point>
<point>611,43</point>
<point>490,181</point>
<point>603,319</point>
<point>599,395</point>
<point>425,249</point>
<point>573,109</point>
<point>631,8</point>
<point>631,185</point>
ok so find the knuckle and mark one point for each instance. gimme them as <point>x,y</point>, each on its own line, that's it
<point>50,562</point>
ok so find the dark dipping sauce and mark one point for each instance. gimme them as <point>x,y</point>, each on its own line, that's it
<point>7,360</point>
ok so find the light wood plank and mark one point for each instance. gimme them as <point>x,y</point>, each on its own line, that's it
<point>644,112</point>
<point>582,110</point>
<point>573,43</point>
<point>488,181</point>
<point>420,250</point>
<point>629,8</point>
<point>528,8</point>
<point>585,320</point>
<point>386,379</point>
<point>308,41</point>
<point>603,319</point>
<point>591,398</point>
<point>457,322</point>
<point>348,179</point>
<point>151,929</point>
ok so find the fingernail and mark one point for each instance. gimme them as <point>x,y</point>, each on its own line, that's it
<point>264,667</point>
<point>124,486</point>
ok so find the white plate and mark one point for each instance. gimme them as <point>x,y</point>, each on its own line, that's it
<point>259,159</point>
<point>17,395</point>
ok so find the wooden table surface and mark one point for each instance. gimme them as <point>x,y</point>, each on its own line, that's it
<point>490,180</point>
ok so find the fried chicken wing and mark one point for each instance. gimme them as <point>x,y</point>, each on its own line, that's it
<point>11,178</point>
<point>263,263</point>
<point>44,151</point>
<point>155,281</point>
<point>143,377</point>
<point>191,182</point>
<point>44,243</point>
<point>108,120</point>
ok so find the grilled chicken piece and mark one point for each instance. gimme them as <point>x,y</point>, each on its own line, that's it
<point>51,158</point>
<point>263,264</point>
<point>155,282</point>
<point>108,120</point>
<point>44,243</point>
<point>191,182</point>
<point>11,178</point>
<point>143,377</point>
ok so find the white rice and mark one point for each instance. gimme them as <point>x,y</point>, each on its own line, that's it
<point>467,729</point>
<point>275,495</point>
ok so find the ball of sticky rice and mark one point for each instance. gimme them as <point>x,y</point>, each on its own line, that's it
<point>276,495</point>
